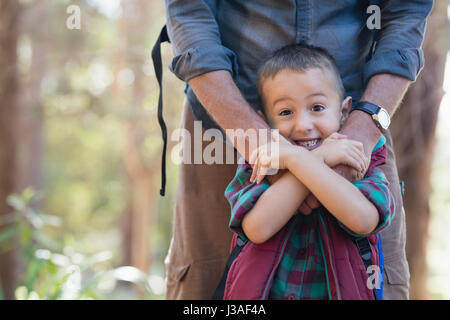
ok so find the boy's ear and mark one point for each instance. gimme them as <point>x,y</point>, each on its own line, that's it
<point>346,106</point>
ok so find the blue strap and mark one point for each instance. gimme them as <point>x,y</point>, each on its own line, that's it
<point>365,252</point>
<point>379,291</point>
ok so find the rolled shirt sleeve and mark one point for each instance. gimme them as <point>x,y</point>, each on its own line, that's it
<point>195,36</point>
<point>242,196</point>
<point>398,48</point>
<point>375,187</point>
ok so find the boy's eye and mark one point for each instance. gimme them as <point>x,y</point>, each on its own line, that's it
<point>285,113</point>
<point>317,107</point>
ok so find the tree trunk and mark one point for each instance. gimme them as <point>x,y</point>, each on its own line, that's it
<point>139,214</point>
<point>31,121</point>
<point>9,111</point>
<point>137,218</point>
<point>413,130</point>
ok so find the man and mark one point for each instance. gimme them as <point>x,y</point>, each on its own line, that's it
<point>218,47</point>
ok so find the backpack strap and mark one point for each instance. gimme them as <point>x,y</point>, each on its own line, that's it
<point>157,64</point>
<point>364,249</point>
<point>220,290</point>
<point>379,290</point>
<point>365,252</point>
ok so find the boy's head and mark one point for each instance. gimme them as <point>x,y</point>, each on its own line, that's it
<point>302,94</point>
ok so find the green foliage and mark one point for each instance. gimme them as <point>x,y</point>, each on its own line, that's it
<point>83,112</point>
<point>55,270</point>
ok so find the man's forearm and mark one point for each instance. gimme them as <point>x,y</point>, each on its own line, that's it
<point>222,99</point>
<point>385,90</point>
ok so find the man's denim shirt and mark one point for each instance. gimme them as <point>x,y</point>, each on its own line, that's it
<point>237,35</point>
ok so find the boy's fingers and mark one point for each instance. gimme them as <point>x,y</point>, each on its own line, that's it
<point>354,164</point>
<point>262,170</point>
<point>358,154</point>
<point>365,162</point>
<point>353,161</point>
<point>332,136</point>
<point>259,159</point>
<point>305,209</point>
<point>359,158</point>
<point>359,146</point>
<point>362,162</point>
<point>341,136</point>
<point>254,155</point>
<point>267,159</point>
<point>338,136</point>
<point>260,178</point>
<point>312,201</point>
<point>255,171</point>
<point>366,165</point>
<point>263,173</point>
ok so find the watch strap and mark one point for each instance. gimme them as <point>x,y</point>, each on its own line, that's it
<point>367,107</point>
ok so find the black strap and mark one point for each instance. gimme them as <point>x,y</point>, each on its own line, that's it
<point>367,107</point>
<point>220,290</point>
<point>364,249</point>
<point>365,252</point>
<point>157,64</point>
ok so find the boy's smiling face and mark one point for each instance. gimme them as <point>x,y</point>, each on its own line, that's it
<point>304,106</point>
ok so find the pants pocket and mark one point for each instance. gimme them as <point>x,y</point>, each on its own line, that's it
<point>176,272</point>
<point>396,272</point>
<point>194,280</point>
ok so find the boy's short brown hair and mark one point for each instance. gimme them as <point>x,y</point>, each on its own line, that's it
<point>299,57</point>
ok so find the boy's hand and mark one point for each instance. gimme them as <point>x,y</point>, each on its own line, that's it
<point>271,156</point>
<point>331,160</point>
<point>338,150</point>
<point>309,205</point>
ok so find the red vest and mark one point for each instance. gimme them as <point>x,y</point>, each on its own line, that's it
<point>252,273</point>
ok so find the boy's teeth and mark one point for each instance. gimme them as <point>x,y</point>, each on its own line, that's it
<point>309,143</point>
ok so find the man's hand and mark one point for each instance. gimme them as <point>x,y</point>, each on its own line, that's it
<point>309,205</point>
<point>218,93</point>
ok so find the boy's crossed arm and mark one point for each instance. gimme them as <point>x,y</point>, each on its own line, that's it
<point>309,171</point>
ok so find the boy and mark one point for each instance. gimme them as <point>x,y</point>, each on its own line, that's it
<point>295,256</point>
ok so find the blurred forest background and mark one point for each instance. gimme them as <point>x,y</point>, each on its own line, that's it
<point>80,149</point>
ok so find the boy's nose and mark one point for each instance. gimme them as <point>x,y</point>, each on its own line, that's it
<point>303,124</point>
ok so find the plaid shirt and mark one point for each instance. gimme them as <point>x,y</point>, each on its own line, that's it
<point>301,273</point>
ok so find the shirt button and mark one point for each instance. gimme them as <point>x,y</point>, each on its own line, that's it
<point>291,297</point>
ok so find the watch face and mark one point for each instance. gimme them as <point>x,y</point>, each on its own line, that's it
<point>384,119</point>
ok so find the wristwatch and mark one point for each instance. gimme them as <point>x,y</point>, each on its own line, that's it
<point>379,115</point>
